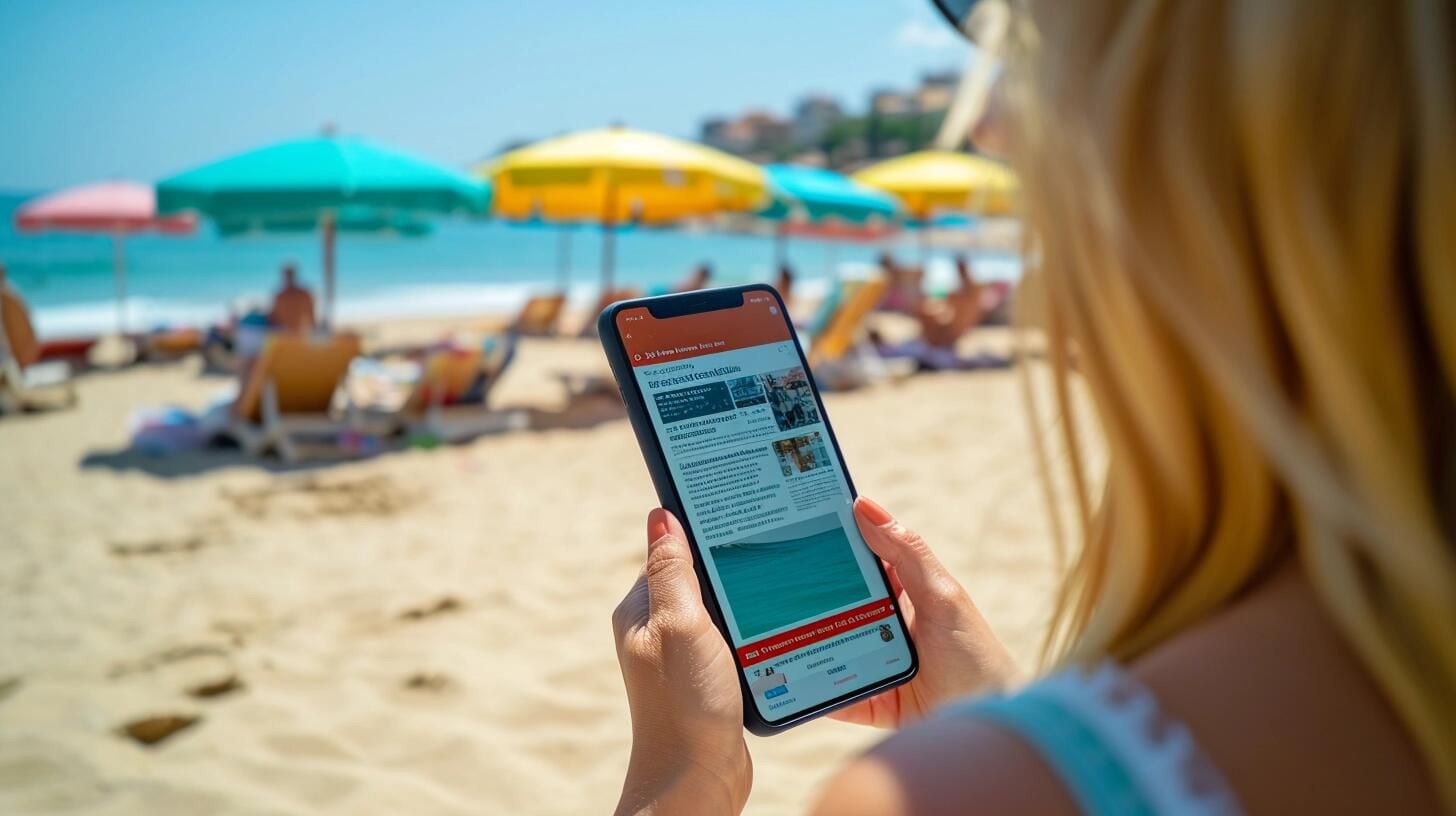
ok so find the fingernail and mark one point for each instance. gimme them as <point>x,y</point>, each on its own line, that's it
<point>872,512</point>
<point>656,525</point>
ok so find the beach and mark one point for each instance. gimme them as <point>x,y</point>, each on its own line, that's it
<point>424,631</point>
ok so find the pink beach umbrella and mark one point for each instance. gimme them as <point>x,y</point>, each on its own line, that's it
<point>117,208</point>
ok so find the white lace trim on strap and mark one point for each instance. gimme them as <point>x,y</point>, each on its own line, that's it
<point>1157,751</point>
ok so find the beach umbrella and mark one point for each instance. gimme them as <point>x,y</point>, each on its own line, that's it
<point>932,181</point>
<point>115,208</point>
<point>825,204</point>
<point>316,182</point>
<point>354,219</point>
<point>615,175</point>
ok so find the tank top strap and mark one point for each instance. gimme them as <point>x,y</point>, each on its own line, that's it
<point>1105,736</point>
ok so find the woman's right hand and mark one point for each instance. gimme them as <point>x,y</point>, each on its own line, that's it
<point>959,654</point>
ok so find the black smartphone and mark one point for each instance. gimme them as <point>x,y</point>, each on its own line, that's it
<point>739,447</point>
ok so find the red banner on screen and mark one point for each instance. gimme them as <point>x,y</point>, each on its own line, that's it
<point>776,646</point>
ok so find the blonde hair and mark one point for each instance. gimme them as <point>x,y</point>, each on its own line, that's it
<point>1243,242</point>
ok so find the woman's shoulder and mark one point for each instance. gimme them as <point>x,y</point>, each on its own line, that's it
<point>1283,707</point>
<point>951,765</point>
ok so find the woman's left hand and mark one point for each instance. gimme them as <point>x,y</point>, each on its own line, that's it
<point>688,751</point>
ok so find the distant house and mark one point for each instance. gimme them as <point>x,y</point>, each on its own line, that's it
<point>813,117</point>
<point>714,133</point>
<point>767,131</point>
<point>936,91</point>
<point>753,133</point>
<point>891,103</point>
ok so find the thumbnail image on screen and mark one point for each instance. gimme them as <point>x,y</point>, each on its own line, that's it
<point>791,398</point>
<point>746,391</point>
<point>800,454</point>
<point>794,573</point>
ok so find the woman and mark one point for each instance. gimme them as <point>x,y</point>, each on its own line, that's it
<point>1243,231</point>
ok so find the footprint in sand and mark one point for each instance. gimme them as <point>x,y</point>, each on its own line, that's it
<point>158,546</point>
<point>153,730</point>
<point>8,686</point>
<point>444,605</point>
<point>166,657</point>
<point>216,688</point>
<point>312,497</point>
<point>428,681</point>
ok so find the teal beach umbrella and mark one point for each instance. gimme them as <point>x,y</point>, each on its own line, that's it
<point>291,185</point>
<point>815,201</point>
<point>353,219</point>
<point>815,194</point>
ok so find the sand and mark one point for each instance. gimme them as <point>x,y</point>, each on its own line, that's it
<point>421,632</point>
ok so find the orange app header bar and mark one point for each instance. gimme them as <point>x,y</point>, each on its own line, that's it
<point>651,340</point>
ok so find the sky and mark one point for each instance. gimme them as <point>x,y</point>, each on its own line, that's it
<point>147,88</point>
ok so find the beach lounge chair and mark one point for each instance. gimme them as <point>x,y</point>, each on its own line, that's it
<point>168,344</point>
<point>836,354</point>
<point>450,403</point>
<point>838,329</point>
<point>538,317</point>
<point>289,392</point>
<point>38,385</point>
<point>41,385</point>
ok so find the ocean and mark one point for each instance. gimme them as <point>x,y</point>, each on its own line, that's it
<point>463,267</point>
<point>773,584</point>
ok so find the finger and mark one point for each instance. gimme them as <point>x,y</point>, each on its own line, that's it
<point>925,579</point>
<point>879,711</point>
<point>672,585</point>
<point>857,714</point>
<point>631,614</point>
<point>896,587</point>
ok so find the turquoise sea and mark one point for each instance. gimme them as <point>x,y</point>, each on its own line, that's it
<point>463,267</point>
<point>773,584</point>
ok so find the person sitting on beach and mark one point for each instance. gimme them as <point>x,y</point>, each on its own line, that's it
<point>1242,230</point>
<point>293,307</point>
<point>942,324</point>
<point>904,292</point>
<point>784,282</point>
<point>19,333</point>
<point>699,278</point>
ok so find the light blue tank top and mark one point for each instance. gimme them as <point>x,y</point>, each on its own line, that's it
<point>1102,733</point>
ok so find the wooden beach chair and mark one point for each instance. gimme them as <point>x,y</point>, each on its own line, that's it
<point>837,353</point>
<point>451,401</point>
<point>37,385</point>
<point>539,316</point>
<point>289,392</point>
<point>841,329</point>
<point>42,385</point>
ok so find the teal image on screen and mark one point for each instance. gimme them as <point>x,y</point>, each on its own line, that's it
<point>793,573</point>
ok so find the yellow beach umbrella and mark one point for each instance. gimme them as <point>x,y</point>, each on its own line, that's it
<point>932,181</point>
<point>616,175</point>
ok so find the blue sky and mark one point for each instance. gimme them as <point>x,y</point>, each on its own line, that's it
<point>146,88</point>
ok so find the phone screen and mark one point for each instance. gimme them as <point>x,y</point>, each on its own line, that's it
<point>768,503</point>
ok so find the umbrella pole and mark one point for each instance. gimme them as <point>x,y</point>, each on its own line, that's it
<point>563,258</point>
<point>781,247</point>
<point>328,226</point>
<point>118,269</point>
<point>609,253</point>
<point>609,237</point>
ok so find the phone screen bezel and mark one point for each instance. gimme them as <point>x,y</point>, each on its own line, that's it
<point>685,305</point>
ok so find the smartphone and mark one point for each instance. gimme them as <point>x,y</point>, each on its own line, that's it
<point>740,449</point>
